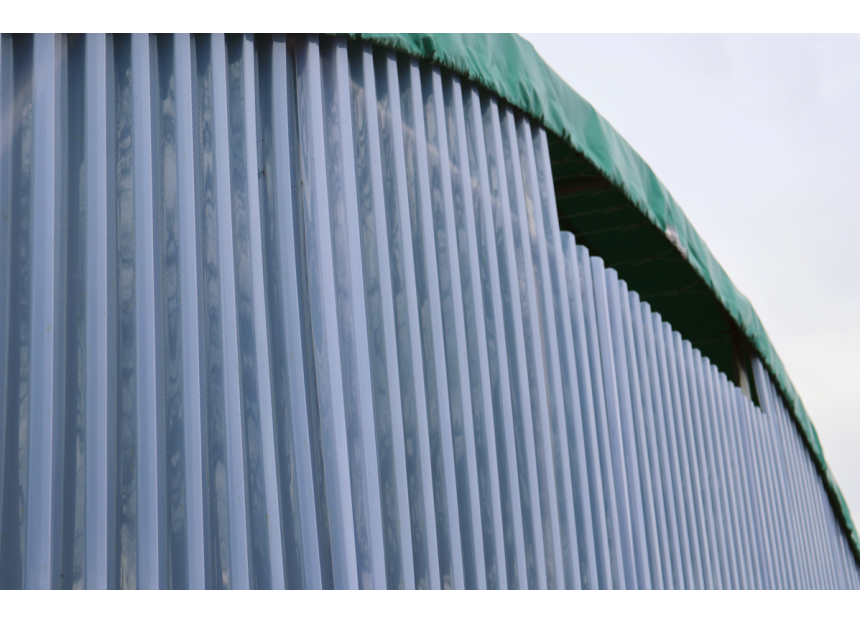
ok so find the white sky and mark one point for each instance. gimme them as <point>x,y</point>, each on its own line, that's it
<point>758,139</point>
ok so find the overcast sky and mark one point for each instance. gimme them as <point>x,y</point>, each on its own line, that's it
<point>758,139</point>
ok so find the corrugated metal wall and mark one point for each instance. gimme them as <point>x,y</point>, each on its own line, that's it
<point>297,312</point>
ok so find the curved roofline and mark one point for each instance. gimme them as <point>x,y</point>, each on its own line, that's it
<point>508,66</point>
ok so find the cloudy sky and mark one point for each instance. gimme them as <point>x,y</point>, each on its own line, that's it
<point>758,139</point>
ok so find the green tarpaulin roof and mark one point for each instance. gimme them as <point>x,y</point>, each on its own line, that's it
<point>615,204</point>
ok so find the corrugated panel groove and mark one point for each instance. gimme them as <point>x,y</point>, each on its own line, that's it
<point>296,312</point>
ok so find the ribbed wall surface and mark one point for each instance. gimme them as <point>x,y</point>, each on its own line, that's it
<point>296,312</point>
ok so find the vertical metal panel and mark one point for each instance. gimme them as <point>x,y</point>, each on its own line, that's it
<point>599,537</point>
<point>459,384</point>
<point>803,465</point>
<point>794,514</point>
<point>263,429</point>
<point>476,339</point>
<point>557,325</point>
<point>426,134</point>
<point>669,483</point>
<point>19,158</point>
<point>769,442</point>
<point>806,474</point>
<point>193,434</point>
<point>681,489</point>
<point>729,511</point>
<point>777,548</point>
<point>279,212</point>
<point>811,498</point>
<point>352,323</point>
<point>686,448</point>
<point>9,125</point>
<point>564,536</point>
<point>297,312</point>
<point>145,536</point>
<point>777,448</point>
<point>757,512</point>
<point>613,426</point>
<point>628,436</point>
<point>545,416</point>
<point>391,449</point>
<point>329,385</point>
<point>502,456</point>
<point>66,497</point>
<point>569,379</point>
<point>794,457</point>
<point>441,295</point>
<point>776,507</point>
<point>661,577</point>
<point>715,462</point>
<point>834,568</point>
<point>41,426</point>
<point>831,573</point>
<point>719,554</point>
<point>508,484</point>
<point>428,303</point>
<point>235,481</point>
<point>735,491</point>
<point>96,328</point>
<point>499,162</point>
<point>807,569</point>
<point>613,530</point>
<point>757,509</point>
<point>753,574</point>
<point>824,568</point>
<point>842,546</point>
<point>615,417</point>
<point>409,263</point>
<point>699,459</point>
<point>403,273</point>
<point>834,574</point>
<point>851,568</point>
<point>543,531</point>
<point>648,494</point>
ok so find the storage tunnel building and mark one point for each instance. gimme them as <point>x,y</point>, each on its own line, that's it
<point>373,311</point>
